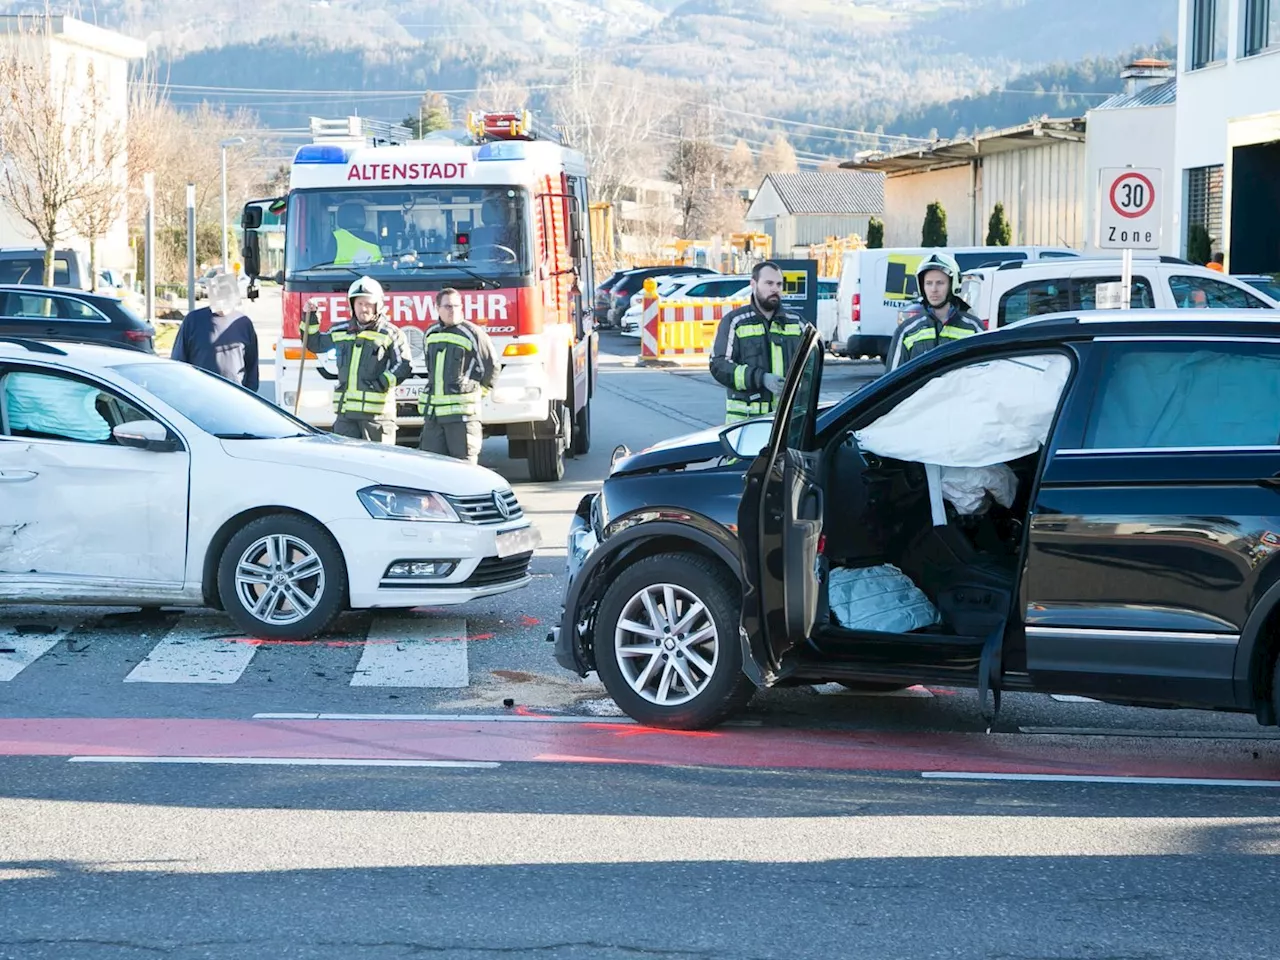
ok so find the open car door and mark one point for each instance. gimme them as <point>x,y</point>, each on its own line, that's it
<point>780,525</point>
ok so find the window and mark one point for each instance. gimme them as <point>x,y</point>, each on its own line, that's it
<point>1187,395</point>
<point>1204,204</point>
<point>1059,255</point>
<point>1063,294</point>
<point>54,407</point>
<point>1205,292</point>
<point>1208,32</point>
<point>1261,25</point>
<point>213,404</point>
<point>971,261</point>
<point>1085,293</point>
<point>31,270</point>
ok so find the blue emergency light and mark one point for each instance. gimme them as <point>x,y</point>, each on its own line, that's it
<point>502,150</point>
<point>320,153</point>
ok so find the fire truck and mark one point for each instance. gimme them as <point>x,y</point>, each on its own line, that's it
<point>499,212</point>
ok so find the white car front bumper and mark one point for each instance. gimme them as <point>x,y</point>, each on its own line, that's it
<point>482,567</point>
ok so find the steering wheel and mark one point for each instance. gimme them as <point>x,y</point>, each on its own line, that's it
<point>510,255</point>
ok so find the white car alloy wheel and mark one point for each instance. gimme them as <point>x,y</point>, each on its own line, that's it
<point>280,579</point>
<point>667,645</point>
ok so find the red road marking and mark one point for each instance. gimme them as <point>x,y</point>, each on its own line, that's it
<point>605,742</point>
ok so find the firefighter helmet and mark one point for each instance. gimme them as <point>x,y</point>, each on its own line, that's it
<point>365,287</point>
<point>943,262</point>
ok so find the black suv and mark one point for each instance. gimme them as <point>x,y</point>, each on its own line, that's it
<point>45,313</point>
<point>1086,505</point>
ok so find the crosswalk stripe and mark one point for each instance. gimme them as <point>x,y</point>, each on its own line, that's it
<point>18,651</point>
<point>401,652</point>
<point>195,650</point>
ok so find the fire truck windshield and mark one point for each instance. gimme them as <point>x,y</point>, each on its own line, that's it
<point>391,232</point>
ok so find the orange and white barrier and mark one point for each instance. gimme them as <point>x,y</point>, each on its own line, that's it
<point>673,328</point>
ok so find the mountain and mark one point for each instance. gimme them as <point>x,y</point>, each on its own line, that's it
<point>847,64</point>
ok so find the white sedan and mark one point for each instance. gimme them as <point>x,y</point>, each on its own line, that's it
<point>134,480</point>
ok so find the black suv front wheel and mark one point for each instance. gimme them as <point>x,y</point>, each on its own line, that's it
<point>666,642</point>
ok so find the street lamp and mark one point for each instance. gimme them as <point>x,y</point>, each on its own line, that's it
<point>229,142</point>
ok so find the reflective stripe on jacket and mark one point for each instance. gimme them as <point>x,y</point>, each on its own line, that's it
<point>370,364</point>
<point>748,345</point>
<point>461,367</point>
<point>921,331</point>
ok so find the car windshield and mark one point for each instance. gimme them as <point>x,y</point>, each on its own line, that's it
<point>1265,285</point>
<point>393,231</point>
<point>213,404</point>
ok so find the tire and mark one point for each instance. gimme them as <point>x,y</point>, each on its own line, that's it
<point>259,542</point>
<point>581,442</point>
<point>546,460</point>
<point>637,688</point>
<point>871,686</point>
<point>1275,690</point>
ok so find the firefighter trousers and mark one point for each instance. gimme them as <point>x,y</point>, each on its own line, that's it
<point>459,439</point>
<point>361,428</point>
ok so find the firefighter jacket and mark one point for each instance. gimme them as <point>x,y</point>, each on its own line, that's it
<point>370,364</point>
<point>461,368</point>
<point>748,345</point>
<point>920,331</point>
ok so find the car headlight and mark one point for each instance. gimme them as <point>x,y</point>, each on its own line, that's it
<point>398,503</point>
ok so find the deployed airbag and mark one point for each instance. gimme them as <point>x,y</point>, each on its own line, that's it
<point>881,599</point>
<point>54,405</point>
<point>967,487</point>
<point>977,416</point>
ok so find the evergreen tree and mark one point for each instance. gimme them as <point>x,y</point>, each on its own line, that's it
<point>999,231</point>
<point>1199,245</point>
<point>935,226</point>
<point>875,234</point>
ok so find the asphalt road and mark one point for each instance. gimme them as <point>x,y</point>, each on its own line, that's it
<point>289,813</point>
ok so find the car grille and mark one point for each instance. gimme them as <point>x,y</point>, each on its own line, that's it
<point>482,509</point>
<point>493,571</point>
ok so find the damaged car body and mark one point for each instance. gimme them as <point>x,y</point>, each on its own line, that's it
<point>1086,505</point>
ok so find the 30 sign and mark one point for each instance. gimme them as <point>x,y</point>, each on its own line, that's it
<point>1130,205</point>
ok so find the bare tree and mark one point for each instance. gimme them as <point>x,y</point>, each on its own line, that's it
<point>499,93</point>
<point>778,157</point>
<point>60,155</point>
<point>615,119</point>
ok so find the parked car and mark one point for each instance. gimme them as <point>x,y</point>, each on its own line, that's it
<point>1015,291</point>
<point>143,481</point>
<point>828,290</point>
<point>1086,504</point>
<point>876,286</point>
<point>632,282</point>
<point>26,265</point>
<point>1263,282</point>
<point>66,314</point>
<point>602,302</point>
<point>203,283</point>
<point>685,287</point>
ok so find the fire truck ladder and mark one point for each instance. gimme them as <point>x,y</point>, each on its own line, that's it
<point>376,133</point>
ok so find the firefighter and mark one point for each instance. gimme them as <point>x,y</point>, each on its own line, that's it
<point>461,368</point>
<point>373,356</point>
<point>940,316</point>
<point>352,242</point>
<point>754,346</point>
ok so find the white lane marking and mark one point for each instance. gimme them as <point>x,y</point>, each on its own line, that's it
<point>1072,778</point>
<point>1151,732</point>
<point>195,650</point>
<point>294,761</point>
<point>26,649</point>
<point>916,692</point>
<point>443,718</point>
<point>401,652</point>
<point>1072,698</point>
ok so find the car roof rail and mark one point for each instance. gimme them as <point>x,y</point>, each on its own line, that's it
<point>35,346</point>
<point>1165,258</point>
<point>1008,264</point>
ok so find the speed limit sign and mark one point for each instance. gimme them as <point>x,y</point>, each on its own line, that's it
<point>1130,200</point>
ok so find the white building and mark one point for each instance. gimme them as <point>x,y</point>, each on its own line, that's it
<point>799,209</point>
<point>81,50</point>
<point>1135,128</point>
<point>1037,170</point>
<point>1227,153</point>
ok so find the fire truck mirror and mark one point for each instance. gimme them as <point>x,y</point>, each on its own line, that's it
<point>251,219</point>
<point>251,255</point>
<point>576,251</point>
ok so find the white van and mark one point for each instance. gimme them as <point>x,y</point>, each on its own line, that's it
<point>877,285</point>
<point>1015,291</point>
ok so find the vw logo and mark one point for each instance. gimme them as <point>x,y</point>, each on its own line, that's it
<point>500,505</point>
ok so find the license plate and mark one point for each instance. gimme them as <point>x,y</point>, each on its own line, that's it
<point>511,542</point>
<point>408,391</point>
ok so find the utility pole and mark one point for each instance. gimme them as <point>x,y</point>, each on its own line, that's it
<point>149,266</point>
<point>229,142</point>
<point>191,247</point>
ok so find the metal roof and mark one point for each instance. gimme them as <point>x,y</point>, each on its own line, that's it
<point>1156,95</point>
<point>829,193</point>
<point>963,150</point>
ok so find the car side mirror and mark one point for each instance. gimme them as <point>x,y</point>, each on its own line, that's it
<point>145,435</point>
<point>744,441</point>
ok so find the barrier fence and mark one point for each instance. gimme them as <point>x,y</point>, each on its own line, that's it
<point>680,328</point>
